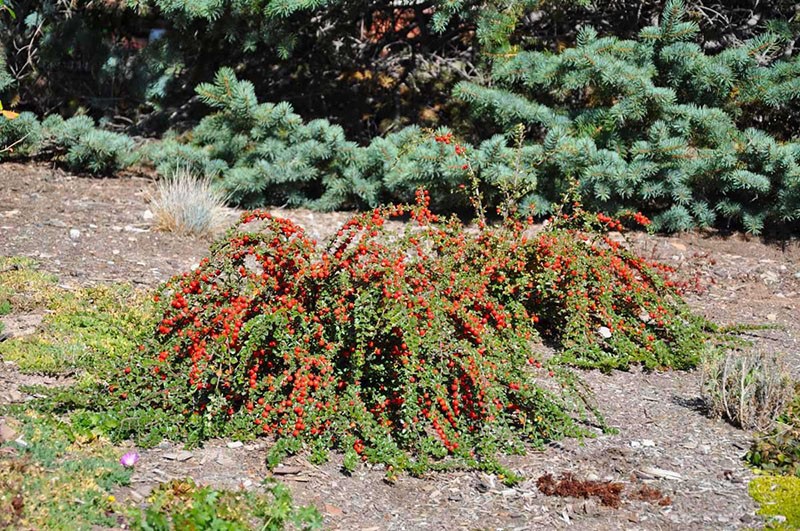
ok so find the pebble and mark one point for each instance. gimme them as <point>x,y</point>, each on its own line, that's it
<point>6,433</point>
<point>147,215</point>
<point>74,234</point>
<point>235,444</point>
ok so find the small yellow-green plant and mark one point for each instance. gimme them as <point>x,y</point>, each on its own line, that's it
<point>779,496</point>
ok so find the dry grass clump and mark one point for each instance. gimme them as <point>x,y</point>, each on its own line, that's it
<point>749,389</point>
<point>187,204</point>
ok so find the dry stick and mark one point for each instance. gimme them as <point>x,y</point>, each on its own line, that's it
<point>11,146</point>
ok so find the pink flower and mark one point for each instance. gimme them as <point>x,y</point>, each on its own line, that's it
<point>129,459</point>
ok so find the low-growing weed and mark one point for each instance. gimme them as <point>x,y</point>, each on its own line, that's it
<point>181,504</point>
<point>778,451</point>
<point>52,479</point>
<point>23,288</point>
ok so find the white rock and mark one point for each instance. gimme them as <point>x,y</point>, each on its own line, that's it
<point>604,332</point>
<point>147,215</point>
<point>235,444</point>
<point>74,234</point>
<point>647,443</point>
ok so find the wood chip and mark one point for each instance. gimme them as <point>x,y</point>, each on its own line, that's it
<point>660,472</point>
<point>284,470</point>
<point>183,455</point>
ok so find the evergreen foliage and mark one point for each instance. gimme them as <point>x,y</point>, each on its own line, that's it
<point>77,143</point>
<point>655,124</point>
<point>265,154</point>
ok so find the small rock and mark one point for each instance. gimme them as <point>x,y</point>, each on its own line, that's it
<point>604,332</point>
<point>333,510</point>
<point>635,444</point>
<point>131,228</point>
<point>224,460</point>
<point>235,444</point>
<point>770,277</point>
<point>12,395</point>
<point>771,316</point>
<point>616,236</point>
<point>147,215</point>
<point>56,223</point>
<point>6,433</point>
<point>74,234</point>
<point>183,455</point>
<point>647,443</point>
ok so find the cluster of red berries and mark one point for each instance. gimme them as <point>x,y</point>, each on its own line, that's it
<point>385,342</point>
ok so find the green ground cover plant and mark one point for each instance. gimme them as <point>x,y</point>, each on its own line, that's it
<point>85,330</point>
<point>181,504</point>
<point>61,471</point>
<point>57,476</point>
<point>416,349</point>
<point>778,497</point>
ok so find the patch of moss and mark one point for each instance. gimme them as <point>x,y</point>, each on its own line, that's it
<point>89,329</point>
<point>23,288</point>
<point>778,496</point>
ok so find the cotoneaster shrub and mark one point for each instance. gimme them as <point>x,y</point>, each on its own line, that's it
<point>416,348</point>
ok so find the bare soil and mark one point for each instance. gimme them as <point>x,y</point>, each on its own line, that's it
<point>666,439</point>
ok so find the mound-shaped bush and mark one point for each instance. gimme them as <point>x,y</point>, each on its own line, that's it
<point>404,345</point>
